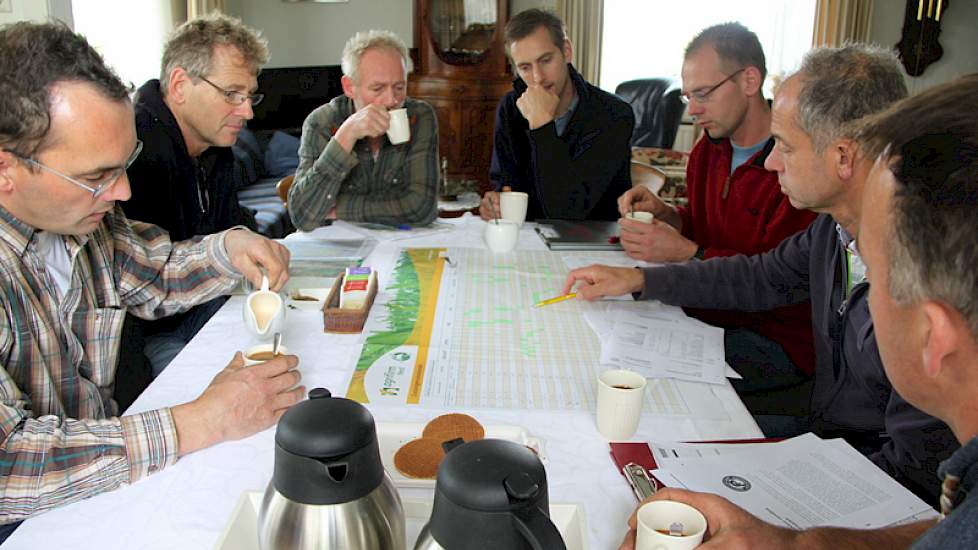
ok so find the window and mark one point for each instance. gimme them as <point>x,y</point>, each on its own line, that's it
<point>644,38</point>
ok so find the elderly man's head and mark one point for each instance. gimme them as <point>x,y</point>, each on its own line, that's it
<point>812,118</point>
<point>66,130</point>
<point>918,235</point>
<point>375,65</point>
<point>209,77</point>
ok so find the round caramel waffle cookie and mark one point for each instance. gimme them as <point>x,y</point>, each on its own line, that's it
<point>453,426</point>
<point>419,458</point>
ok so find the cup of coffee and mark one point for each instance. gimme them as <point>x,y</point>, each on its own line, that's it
<point>620,396</point>
<point>512,206</point>
<point>261,353</point>
<point>669,525</point>
<point>644,217</point>
<point>399,130</point>
<point>501,235</point>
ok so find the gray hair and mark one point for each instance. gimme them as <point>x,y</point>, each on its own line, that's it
<point>191,45</point>
<point>842,85</point>
<point>930,143</point>
<point>736,45</point>
<point>364,40</point>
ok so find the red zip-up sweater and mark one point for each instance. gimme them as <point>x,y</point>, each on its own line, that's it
<point>745,213</point>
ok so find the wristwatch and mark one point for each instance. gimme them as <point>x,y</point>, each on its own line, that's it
<point>700,252</point>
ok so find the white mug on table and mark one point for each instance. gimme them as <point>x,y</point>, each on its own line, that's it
<point>512,206</point>
<point>620,396</point>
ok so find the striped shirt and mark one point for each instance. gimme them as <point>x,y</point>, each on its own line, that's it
<point>61,438</point>
<point>399,187</point>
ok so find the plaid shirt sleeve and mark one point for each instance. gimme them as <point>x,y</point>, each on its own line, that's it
<point>59,440</point>
<point>323,165</point>
<point>328,177</point>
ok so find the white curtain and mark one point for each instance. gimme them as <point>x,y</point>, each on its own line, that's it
<point>197,8</point>
<point>841,21</point>
<point>584,20</point>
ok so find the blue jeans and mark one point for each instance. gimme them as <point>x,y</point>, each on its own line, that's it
<point>776,393</point>
<point>163,347</point>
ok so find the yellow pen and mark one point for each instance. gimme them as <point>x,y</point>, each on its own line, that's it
<point>555,300</point>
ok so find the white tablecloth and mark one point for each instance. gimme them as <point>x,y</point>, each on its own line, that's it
<point>188,505</point>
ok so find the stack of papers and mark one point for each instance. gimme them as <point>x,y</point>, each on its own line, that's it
<point>797,483</point>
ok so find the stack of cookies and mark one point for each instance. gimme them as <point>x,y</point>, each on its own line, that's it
<point>419,458</point>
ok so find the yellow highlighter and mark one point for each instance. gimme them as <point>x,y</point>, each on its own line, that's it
<point>555,300</point>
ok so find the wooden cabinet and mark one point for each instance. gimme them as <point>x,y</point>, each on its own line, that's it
<point>462,71</point>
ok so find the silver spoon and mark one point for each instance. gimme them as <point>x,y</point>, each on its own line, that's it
<point>276,342</point>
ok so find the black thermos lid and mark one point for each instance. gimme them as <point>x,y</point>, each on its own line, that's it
<point>326,451</point>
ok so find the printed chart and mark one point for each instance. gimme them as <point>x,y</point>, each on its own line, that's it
<point>465,333</point>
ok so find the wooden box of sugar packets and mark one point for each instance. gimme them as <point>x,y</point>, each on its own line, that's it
<point>349,301</point>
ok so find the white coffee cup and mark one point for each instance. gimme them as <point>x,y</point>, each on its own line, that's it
<point>672,517</point>
<point>512,206</point>
<point>644,217</point>
<point>620,396</point>
<point>399,131</point>
<point>264,311</point>
<point>261,349</point>
<point>501,235</point>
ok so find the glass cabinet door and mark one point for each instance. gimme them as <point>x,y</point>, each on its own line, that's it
<point>462,30</point>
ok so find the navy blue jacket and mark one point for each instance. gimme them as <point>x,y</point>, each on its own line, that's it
<point>576,176</point>
<point>852,397</point>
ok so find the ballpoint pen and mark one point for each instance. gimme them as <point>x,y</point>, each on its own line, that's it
<point>555,300</point>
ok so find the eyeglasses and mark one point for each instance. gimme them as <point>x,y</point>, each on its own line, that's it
<point>232,97</point>
<point>96,188</point>
<point>704,96</point>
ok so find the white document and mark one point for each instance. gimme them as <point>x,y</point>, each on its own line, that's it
<point>800,483</point>
<point>659,343</point>
<point>669,455</point>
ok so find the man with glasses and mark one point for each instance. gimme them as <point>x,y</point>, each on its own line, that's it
<point>558,138</point>
<point>822,168</point>
<point>735,207</point>
<point>71,266</point>
<point>184,179</point>
<point>348,167</point>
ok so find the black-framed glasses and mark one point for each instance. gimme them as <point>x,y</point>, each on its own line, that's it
<point>96,187</point>
<point>232,97</point>
<point>703,96</point>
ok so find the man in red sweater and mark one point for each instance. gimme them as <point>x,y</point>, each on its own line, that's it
<point>735,206</point>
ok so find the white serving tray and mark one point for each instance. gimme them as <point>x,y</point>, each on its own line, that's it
<point>241,531</point>
<point>393,435</point>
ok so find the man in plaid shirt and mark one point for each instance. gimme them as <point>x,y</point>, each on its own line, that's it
<point>348,169</point>
<point>72,265</point>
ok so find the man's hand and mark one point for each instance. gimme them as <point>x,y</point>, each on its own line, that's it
<point>370,121</point>
<point>599,281</point>
<point>655,242</point>
<point>538,106</point>
<point>490,203</point>
<point>250,253</point>
<point>727,525</point>
<point>239,402</point>
<point>641,199</point>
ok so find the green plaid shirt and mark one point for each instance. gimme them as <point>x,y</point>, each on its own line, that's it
<point>62,439</point>
<point>400,187</point>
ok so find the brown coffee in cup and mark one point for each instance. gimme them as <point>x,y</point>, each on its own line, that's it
<point>621,387</point>
<point>262,356</point>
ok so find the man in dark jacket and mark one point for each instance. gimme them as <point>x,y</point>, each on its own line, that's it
<point>187,121</point>
<point>820,168</point>
<point>557,138</point>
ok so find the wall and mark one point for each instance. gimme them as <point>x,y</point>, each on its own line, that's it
<point>21,10</point>
<point>958,37</point>
<point>307,33</point>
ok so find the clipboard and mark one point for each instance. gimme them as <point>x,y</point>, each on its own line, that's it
<point>579,235</point>
<point>625,453</point>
